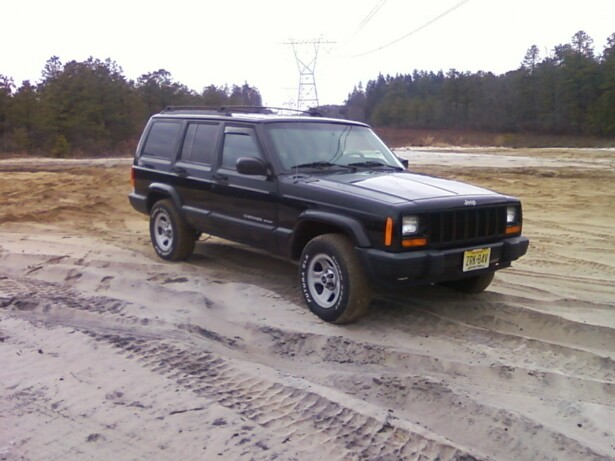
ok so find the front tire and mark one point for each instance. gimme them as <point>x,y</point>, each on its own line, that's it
<point>333,283</point>
<point>171,236</point>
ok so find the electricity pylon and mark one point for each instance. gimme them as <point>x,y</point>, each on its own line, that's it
<point>306,62</point>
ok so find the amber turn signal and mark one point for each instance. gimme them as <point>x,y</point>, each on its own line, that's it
<point>513,230</point>
<point>415,242</point>
<point>388,232</point>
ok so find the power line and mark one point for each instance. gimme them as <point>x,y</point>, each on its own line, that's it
<point>362,24</point>
<point>369,16</point>
<point>412,32</point>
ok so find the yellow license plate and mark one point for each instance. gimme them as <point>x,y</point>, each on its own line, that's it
<point>476,259</point>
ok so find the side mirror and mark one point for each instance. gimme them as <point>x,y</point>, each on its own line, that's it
<point>251,166</point>
<point>404,162</point>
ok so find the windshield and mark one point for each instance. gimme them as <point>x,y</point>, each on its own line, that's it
<point>319,145</point>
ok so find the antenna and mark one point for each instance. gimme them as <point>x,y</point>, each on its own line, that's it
<point>306,62</point>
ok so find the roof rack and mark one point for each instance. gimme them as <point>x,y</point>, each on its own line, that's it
<point>229,110</point>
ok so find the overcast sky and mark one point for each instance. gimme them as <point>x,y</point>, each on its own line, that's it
<point>235,41</point>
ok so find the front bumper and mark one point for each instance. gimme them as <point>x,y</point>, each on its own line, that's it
<point>434,266</point>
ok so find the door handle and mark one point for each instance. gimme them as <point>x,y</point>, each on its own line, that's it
<point>179,170</point>
<point>220,177</point>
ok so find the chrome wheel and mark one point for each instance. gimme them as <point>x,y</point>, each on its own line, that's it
<point>323,280</point>
<point>171,236</point>
<point>333,282</point>
<point>163,231</point>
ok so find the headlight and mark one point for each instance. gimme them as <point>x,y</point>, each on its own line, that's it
<point>409,225</point>
<point>511,215</point>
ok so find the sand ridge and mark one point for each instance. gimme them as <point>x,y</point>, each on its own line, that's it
<point>110,353</point>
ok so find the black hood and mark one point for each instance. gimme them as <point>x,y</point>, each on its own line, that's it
<point>399,186</point>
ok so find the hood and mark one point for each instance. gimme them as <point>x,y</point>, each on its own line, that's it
<point>402,185</point>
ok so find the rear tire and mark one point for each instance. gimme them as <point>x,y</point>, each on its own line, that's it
<point>472,285</point>
<point>333,282</point>
<point>172,238</point>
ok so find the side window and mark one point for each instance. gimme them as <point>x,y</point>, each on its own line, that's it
<point>161,139</point>
<point>200,143</point>
<point>241,143</point>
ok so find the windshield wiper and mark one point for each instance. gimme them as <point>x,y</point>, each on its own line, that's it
<point>374,164</point>
<point>320,164</point>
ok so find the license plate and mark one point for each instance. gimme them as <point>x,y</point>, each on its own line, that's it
<point>476,259</point>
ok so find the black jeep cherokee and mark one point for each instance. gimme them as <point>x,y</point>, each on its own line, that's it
<point>325,192</point>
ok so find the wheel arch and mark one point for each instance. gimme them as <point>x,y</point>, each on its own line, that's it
<point>159,191</point>
<point>313,223</point>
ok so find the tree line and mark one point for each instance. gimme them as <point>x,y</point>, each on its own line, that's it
<point>91,107</point>
<point>571,92</point>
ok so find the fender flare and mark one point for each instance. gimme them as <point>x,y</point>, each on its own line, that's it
<point>163,189</point>
<point>351,225</point>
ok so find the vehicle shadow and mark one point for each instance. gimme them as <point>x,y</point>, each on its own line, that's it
<point>229,262</point>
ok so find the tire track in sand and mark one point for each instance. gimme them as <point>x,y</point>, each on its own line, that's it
<point>286,408</point>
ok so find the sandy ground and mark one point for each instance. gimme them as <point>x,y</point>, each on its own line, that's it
<point>107,352</point>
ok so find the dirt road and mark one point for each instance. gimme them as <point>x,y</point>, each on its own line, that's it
<point>106,352</point>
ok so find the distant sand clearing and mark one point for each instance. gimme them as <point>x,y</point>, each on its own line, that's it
<point>107,352</point>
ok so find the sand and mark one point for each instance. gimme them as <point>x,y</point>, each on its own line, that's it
<point>107,352</point>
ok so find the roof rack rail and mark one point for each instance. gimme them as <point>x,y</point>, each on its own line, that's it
<point>242,109</point>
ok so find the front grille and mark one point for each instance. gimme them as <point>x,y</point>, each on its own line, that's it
<point>466,226</point>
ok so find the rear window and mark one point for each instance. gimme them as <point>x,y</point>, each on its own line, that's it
<point>200,143</point>
<point>162,139</point>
